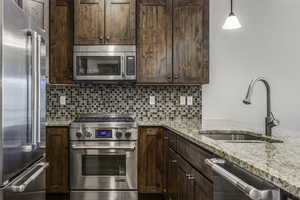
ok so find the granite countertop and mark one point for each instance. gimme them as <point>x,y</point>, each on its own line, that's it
<point>278,163</point>
<point>58,122</point>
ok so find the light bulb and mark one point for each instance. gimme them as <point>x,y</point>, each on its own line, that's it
<point>232,22</point>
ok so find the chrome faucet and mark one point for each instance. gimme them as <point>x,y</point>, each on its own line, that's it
<point>270,120</point>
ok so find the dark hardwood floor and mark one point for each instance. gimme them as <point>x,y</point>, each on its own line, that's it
<point>66,197</point>
<point>57,197</point>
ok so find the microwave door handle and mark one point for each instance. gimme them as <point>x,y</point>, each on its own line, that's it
<point>123,66</point>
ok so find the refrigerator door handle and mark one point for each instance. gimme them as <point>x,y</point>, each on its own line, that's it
<point>38,170</point>
<point>34,61</point>
<point>38,90</point>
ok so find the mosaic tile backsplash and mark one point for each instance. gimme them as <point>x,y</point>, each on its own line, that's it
<point>132,99</point>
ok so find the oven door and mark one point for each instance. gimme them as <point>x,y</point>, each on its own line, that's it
<point>98,66</point>
<point>103,165</point>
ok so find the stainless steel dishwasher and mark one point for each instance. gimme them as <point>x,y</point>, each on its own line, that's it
<point>234,183</point>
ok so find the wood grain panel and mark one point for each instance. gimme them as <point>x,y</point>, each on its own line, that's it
<point>52,31</point>
<point>89,21</point>
<point>190,41</point>
<point>58,157</point>
<point>172,174</point>
<point>61,40</point>
<point>154,41</point>
<point>150,160</point>
<point>120,22</point>
<point>195,156</point>
<point>202,188</point>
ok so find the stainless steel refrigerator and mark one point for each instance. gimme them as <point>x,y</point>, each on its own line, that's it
<point>23,70</point>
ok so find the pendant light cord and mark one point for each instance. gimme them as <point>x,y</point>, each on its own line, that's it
<point>231,7</point>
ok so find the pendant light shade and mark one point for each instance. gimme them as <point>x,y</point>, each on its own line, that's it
<point>232,22</point>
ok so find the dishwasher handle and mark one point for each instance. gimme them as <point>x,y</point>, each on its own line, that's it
<point>249,190</point>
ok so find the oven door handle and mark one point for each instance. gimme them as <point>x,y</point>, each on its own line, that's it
<point>80,147</point>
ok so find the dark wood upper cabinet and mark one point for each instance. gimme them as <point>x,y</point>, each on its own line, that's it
<point>190,41</point>
<point>57,154</point>
<point>120,22</point>
<point>154,55</point>
<point>52,32</point>
<point>61,42</point>
<point>150,160</point>
<point>173,43</point>
<point>89,21</point>
<point>104,22</point>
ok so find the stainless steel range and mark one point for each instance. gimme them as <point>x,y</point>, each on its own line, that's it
<point>103,161</point>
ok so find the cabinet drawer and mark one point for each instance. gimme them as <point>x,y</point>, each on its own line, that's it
<point>182,146</point>
<point>203,187</point>
<point>194,155</point>
<point>172,141</point>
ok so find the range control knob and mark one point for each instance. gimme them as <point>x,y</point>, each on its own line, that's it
<point>118,134</point>
<point>88,134</point>
<point>78,134</point>
<point>127,134</point>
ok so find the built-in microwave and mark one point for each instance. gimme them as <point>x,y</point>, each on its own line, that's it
<point>104,63</point>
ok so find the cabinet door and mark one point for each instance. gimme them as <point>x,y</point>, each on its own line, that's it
<point>58,157</point>
<point>150,160</point>
<point>154,32</point>
<point>190,41</point>
<point>184,173</point>
<point>52,31</point>
<point>36,12</point>
<point>201,188</point>
<point>171,175</point>
<point>89,21</point>
<point>165,160</point>
<point>61,40</point>
<point>120,22</point>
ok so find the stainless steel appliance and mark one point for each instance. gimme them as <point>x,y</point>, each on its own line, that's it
<point>23,65</point>
<point>103,157</point>
<point>105,63</point>
<point>234,183</point>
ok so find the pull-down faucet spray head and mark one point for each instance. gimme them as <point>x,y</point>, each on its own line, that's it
<point>270,119</point>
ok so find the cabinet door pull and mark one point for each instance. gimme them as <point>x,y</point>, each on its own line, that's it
<point>100,38</point>
<point>107,37</point>
<point>176,76</point>
<point>173,161</point>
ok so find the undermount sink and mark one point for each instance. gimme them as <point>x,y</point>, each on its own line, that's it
<point>241,138</point>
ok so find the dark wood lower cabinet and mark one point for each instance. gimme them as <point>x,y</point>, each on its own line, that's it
<point>185,182</point>
<point>150,160</point>
<point>57,180</point>
<point>171,175</point>
<point>202,188</point>
<point>167,166</point>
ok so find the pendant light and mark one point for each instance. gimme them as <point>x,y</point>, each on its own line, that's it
<point>232,22</point>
